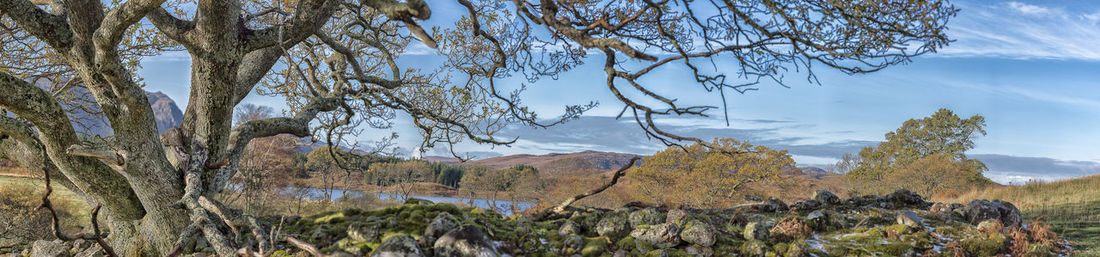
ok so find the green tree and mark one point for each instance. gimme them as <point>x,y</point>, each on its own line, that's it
<point>942,133</point>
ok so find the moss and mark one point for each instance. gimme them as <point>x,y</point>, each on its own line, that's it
<point>594,246</point>
<point>988,245</point>
<point>330,218</point>
<point>754,248</point>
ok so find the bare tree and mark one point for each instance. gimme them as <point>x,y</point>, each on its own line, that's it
<point>341,74</point>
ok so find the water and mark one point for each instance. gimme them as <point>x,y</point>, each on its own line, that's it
<point>502,206</point>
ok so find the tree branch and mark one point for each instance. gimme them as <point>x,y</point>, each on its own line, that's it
<point>113,26</point>
<point>311,15</point>
<point>564,204</point>
<point>50,28</point>
<point>172,27</point>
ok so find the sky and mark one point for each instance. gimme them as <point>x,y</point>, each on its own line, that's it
<point>1031,68</point>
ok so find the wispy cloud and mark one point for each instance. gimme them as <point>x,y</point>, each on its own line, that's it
<point>1024,31</point>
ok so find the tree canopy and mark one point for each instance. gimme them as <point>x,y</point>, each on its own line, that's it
<point>336,64</point>
<point>941,133</point>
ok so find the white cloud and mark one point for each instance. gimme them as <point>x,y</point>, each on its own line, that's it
<point>1024,31</point>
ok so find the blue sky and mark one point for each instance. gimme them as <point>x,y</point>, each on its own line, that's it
<point>1031,68</point>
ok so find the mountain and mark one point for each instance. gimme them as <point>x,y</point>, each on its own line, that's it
<point>167,114</point>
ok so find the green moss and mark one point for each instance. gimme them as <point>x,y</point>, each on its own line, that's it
<point>988,245</point>
<point>330,218</point>
<point>594,246</point>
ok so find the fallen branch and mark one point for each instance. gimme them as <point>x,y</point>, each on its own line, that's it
<point>305,246</point>
<point>614,180</point>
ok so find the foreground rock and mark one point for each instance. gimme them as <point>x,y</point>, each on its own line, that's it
<point>896,224</point>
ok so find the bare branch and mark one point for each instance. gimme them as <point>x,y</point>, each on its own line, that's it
<point>50,28</point>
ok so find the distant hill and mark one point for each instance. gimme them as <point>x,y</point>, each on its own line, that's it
<point>165,112</point>
<point>561,161</point>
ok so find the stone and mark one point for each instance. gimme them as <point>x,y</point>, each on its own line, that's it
<point>398,246</point>
<point>675,216</point>
<point>696,250</point>
<point>442,223</point>
<point>647,216</point>
<point>826,197</point>
<point>464,241</point>
<point>772,205</point>
<point>613,226</point>
<point>754,248</point>
<point>807,205</point>
<point>699,233</point>
<point>43,248</point>
<point>909,219</point>
<point>664,235</point>
<point>756,230</point>
<point>572,244</point>
<point>990,225</point>
<point>938,207</point>
<point>818,220</point>
<point>364,232</point>
<point>904,197</point>
<point>569,228</point>
<point>981,210</point>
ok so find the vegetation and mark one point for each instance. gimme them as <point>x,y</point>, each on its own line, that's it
<point>1071,207</point>
<point>698,176</point>
<point>925,155</point>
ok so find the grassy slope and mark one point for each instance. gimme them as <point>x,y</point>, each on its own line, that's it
<point>1071,206</point>
<point>31,189</point>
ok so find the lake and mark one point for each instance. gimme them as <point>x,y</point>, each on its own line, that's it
<point>504,207</point>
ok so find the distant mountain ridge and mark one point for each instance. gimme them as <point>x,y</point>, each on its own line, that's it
<point>590,159</point>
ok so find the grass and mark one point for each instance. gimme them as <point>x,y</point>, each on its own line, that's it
<point>29,192</point>
<point>1071,206</point>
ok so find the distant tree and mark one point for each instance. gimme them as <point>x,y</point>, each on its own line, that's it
<point>321,165</point>
<point>402,176</point>
<point>936,173</point>
<point>703,177</point>
<point>942,133</point>
<point>266,164</point>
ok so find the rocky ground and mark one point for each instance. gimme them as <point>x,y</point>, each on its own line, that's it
<point>897,224</point>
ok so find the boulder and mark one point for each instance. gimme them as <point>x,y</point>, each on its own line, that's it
<point>675,216</point>
<point>756,230</point>
<point>364,232</point>
<point>647,216</point>
<point>807,205</point>
<point>398,246</point>
<point>981,210</point>
<point>613,226</point>
<point>43,248</point>
<point>909,219</point>
<point>819,221</point>
<point>569,228</point>
<point>664,235</point>
<point>696,250</point>
<point>699,233</point>
<point>772,205</point>
<point>442,223</point>
<point>464,241</point>
<point>826,197</point>
<point>904,197</point>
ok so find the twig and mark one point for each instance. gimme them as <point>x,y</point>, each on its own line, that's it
<point>305,246</point>
<point>97,236</point>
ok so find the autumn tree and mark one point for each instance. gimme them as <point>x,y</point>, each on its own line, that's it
<point>335,63</point>
<point>936,144</point>
<point>698,176</point>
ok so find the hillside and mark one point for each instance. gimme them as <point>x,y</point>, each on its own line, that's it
<point>1072,206</point>
<point>594,159</point>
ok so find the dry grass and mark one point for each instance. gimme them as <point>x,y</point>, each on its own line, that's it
<point>75,213</point>
<point>1071,207</point>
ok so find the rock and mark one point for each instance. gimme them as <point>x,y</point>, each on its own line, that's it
<point>826,197</point>
<point>398,246</point>
<point>43,248</point>
<point>647,216</point>
<point>572,244</point>
<point>797,249</point>
<point>756,230</point>
<point>413,200</point>
<point>818,220</point>
<point>807,205</point>
<point>909,219</point>
<point>675,216</point>
<point>699,233</point>
<point>662,236</point>
<point>442,223</point>
<point>613,226</point>
<point>903,197</point>
<point>569,228</point>
<point>938,207</point>
<point>754,248</point>
<point>772,205</point>
<point>990,225</point>
<point>364,232</point>
<point>981,210</point>
<point>464,241</point>
<point>696,250</point>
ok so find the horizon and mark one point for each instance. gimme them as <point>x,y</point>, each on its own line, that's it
<point>1026,66</point>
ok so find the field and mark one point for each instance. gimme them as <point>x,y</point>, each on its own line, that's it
<point>1071,206</point>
